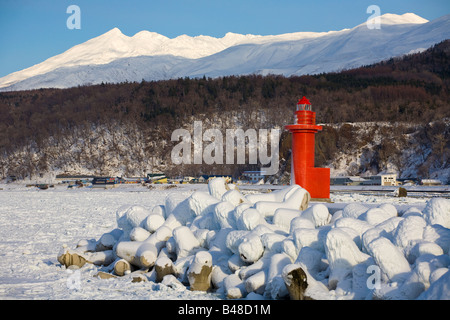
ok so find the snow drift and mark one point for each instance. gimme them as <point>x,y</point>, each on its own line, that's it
<point>208,243</point>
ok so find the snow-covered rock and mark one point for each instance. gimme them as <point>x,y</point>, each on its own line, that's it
<point>439,235</point>
<point>208,242</point>
<point>409,229</point>
<point>130,217</point>
<point>439,289</point>
<point>342,254</point>
<point>218,187</point>
<point>437,211</point>
<point>297,198</point>
<point>318,214</point>
<point>153,222</point>
<point>389,258</point>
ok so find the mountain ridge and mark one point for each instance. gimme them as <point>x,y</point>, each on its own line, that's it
<point>114,45</point>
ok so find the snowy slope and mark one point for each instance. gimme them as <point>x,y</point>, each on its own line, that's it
<point>331,52</point>
<point>114,57</point>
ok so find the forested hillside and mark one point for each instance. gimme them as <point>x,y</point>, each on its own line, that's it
<point>125,129</point>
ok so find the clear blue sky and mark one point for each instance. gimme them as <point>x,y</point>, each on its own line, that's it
<point>34,30</point>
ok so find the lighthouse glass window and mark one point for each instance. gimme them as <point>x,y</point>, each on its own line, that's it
<point>303,107</point>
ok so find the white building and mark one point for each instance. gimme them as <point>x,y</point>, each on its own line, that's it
<point>381,180</point>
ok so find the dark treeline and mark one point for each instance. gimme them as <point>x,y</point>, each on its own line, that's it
<point>413,88</point>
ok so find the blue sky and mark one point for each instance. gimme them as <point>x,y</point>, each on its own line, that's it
<point>34,30</point>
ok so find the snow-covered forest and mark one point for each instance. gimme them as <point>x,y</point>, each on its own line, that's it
<point>391,116</point>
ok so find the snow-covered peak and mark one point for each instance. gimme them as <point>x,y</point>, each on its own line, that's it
<point>148,36</point>
<point>394,19</point>
<point>115,32</point>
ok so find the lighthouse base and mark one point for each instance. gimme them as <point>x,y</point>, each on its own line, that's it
<point>315,180</point>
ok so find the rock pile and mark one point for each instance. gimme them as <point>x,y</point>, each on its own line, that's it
<point>275,245</point>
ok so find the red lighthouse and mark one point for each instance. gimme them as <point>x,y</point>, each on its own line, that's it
<point>315,180</point>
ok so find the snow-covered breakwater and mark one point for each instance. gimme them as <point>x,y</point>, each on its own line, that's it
<point>277,246</point>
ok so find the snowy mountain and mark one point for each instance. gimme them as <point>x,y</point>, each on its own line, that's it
<point>114,57</point>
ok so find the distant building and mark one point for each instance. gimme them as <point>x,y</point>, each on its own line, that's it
<point>131,180</point>
<point>381,180</point>
<point>253,176</point>
<point>153,177</point>
<point>65,178</point>
<point>104,182</point>
<point>188,179</point>
<point>11,179</point>
<point>431,182</point>
<point>347,181</point>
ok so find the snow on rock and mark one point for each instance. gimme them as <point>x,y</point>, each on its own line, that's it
<point>201,203</point>
<point>153,222</point>
<point>300,222</point>
<point>358,225</point>
<point>437,211</point>
<point>302,285</point>
<point>342,254</point>
<point>139,234</point>
<point>251,247</point>
<point>376,215</point>
<point>275,286</point>
<point>408,230</point>
<point>234,197</point>
<point>283,217</point>
<point>439,235</point>
<point>439,290</point>
<point>389,258</point>
<point>200,272</point>
<point>223,214</point>
<point>318,214</point>
<point>312,260</point>
<point>274,196</point>
<point>218,187</point>
<point>297,198</point>
<point>250,219</point>
<point>353,210</point>
<point>276,246</point>
<point>185,241</point>
<point>130,217</point>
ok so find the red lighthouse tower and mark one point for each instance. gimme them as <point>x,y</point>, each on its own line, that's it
<point>315,180</point>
